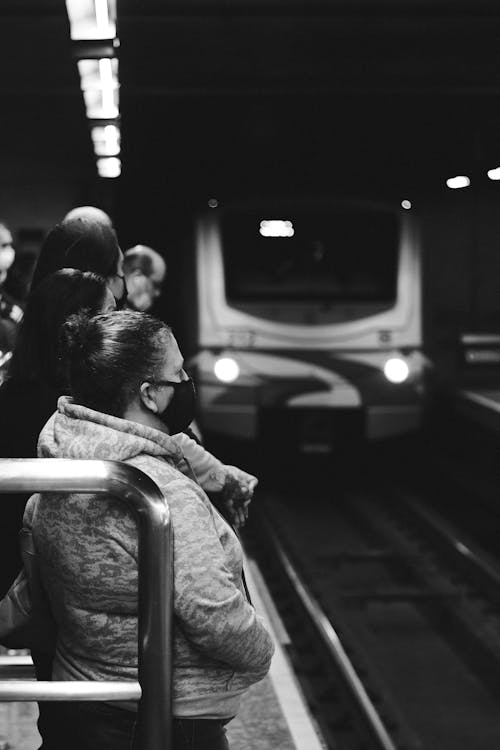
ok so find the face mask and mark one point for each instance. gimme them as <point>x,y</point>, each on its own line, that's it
<point>180,412</point>
<point>7,255</point>
<point>121,302</point>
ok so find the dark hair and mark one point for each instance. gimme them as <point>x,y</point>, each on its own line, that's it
<point>36,354</point>
<point>84,243</point>
<point>110,355</point>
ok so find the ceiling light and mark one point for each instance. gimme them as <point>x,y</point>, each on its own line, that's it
<point>92,19</point>
<point>276,228</point>
<point>109,167</point>
<point>101,105</point>
<point>494,174</point>
<point>460,181</point>
<point>98,74</point>
<point>406,204</point>
<point>106,140</point>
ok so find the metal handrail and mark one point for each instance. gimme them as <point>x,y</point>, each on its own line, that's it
<point>126,483</point>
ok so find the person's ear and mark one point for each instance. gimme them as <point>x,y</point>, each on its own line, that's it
<point>148,397</point>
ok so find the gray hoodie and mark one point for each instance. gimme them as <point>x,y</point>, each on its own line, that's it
<point>87,546</point>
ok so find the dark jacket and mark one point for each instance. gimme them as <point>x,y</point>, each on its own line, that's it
<point>25,407</point>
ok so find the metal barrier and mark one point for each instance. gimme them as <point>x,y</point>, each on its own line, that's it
<point>154,688</point>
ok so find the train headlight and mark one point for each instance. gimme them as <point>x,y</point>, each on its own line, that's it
<point>226,369</point>
<point>396,370</point>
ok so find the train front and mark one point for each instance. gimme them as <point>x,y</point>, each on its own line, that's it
<point>309,322</point>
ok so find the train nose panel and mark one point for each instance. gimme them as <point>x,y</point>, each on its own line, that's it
<point>311,431</point>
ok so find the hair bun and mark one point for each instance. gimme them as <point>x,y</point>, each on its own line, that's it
<point>75,335</point>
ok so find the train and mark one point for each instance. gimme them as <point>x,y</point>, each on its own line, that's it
<point>307,316</point>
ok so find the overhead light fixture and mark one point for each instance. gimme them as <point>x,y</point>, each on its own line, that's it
<point>99,83</point>
<point>276,228</point>
<point>494,174</point>
<point>98,74</point>
<point>93,31</point>
<point>460,181</point>
<point>109,166</point>
<point>101,105</point>
<point>406,204</point>
<point>106,140</point>
<point>92,19</point>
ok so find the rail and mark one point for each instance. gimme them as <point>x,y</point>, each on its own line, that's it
<point>381,737</point>
<point>154,687</point>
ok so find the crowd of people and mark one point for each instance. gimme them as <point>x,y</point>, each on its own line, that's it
<point>94,375</point>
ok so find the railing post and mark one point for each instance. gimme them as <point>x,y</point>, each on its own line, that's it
<point>155,568</point>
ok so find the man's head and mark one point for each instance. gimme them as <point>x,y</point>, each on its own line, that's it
<point>91,213</point>
<point>145,272</point>
<point>7,252</point>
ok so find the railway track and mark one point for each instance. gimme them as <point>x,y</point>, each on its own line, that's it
<point>413,607</point>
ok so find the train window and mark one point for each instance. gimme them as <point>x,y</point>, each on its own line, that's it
<point>334,255</point>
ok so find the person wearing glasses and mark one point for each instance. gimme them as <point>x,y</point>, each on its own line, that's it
<point>130,393</point>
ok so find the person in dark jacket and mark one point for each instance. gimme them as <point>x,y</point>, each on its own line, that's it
<point>87,243</point>
<point>10,312</point>
<point>35,381</point>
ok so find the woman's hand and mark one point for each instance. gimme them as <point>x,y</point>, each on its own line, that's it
<point>237,494</point>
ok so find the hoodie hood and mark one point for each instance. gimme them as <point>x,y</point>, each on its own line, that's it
<point>74,431</point>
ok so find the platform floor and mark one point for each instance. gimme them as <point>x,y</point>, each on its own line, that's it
<point>260,725</point>
<point>273,715</point>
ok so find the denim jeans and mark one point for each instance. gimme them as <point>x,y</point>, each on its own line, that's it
<point>101,726</point>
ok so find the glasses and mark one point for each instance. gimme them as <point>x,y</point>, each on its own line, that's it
<point>165,382</point>
<point>161,382</point>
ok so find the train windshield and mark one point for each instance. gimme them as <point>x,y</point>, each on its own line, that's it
<point>332,256</point>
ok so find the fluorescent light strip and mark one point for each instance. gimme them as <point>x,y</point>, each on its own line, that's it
<point>106,72</point>
<point>102,14</point>
<point>98,74</point>
<point>92,20</point>
<point>106,140</point>
<point>109,167</point>
<point>101,104</point>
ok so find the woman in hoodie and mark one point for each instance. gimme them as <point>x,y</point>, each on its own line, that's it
<point>128,383</point>
<point>36,379</point>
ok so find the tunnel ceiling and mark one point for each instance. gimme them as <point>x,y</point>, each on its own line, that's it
<point>239,97</point>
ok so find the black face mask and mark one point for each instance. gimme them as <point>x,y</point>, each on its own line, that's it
<point>121,302</point>
<point>180,412</point>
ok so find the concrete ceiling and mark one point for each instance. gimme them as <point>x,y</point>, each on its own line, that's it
<point>222,98</point>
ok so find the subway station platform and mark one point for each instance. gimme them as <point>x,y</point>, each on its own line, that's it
<point>273,714</point>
